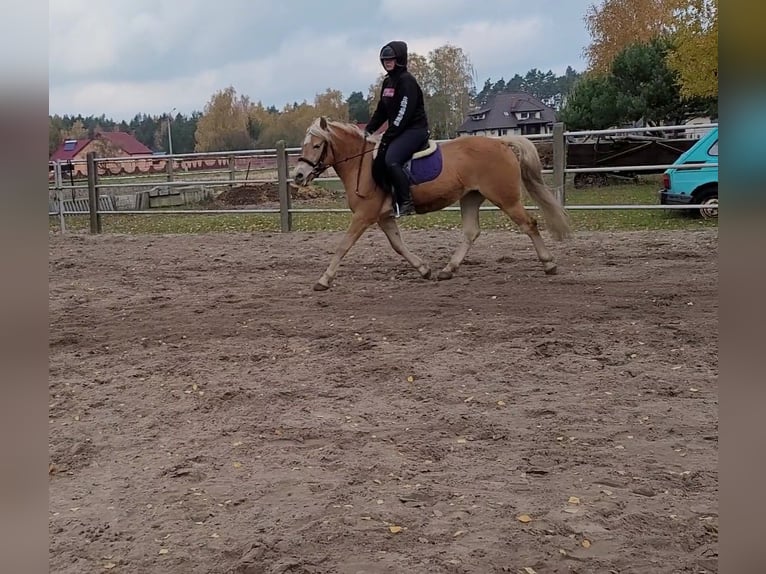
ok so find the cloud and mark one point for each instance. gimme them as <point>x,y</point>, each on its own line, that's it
<point>287,70</point>
<point>123,100</point>
<point>154,40</point>
<point>494,48</point>
<point>408,11</point>
<point>149,56</point>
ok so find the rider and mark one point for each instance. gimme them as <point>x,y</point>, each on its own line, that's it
<point>401,103</point>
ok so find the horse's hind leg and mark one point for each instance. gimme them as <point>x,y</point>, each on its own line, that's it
<point>391,229</point>
<point>355,230</point>
<point>528,225</point>
<point>469,213</point>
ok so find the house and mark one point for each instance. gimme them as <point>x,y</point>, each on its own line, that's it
<point>513,113</point>
<point>105,144</point>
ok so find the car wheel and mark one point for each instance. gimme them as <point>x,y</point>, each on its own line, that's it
<point>709,201</point>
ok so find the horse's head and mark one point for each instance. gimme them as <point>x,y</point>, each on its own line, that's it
<point>316,153</point>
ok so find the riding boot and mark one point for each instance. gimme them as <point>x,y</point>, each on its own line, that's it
<point>402,194</point>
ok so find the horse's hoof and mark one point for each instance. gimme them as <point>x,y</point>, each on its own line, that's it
<point>551,269</point>
<point>426,274</point>
<point>444,275</point>
<point>320,287</point>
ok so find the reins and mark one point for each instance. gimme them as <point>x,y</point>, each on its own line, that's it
<point>319,166</point>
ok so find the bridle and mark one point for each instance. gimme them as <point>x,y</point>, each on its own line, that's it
<point>318,167</point>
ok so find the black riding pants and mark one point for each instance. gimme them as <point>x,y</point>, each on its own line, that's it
<point>397,152</point>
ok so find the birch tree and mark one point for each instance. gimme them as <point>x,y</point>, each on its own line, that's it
<point>449,89</point>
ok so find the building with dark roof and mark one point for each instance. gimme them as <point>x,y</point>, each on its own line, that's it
<point>511,113</point>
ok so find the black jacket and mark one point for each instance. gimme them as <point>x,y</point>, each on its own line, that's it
<point>401,99</point>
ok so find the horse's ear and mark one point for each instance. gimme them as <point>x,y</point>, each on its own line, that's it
<point>323,123</point>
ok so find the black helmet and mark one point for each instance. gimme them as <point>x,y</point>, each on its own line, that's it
<point>387,53</point>
<point>396,50</point>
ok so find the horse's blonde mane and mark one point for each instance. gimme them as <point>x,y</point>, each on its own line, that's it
<point>316,130</point>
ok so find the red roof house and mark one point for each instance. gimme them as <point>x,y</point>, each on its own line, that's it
<point>105,144</point>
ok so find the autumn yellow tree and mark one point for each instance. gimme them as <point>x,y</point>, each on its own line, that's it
<point>331,104</point>
<point>691,25</point>
<point>262,122</point>
<point>616,24</point>
<point>224,125</point>
<point>288,124</point>
<point>695,57</point>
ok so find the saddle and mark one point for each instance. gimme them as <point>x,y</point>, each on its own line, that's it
<point>429,148</point>
<point>424,165</point>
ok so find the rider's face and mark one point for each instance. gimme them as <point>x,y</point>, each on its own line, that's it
<point>389,64</point>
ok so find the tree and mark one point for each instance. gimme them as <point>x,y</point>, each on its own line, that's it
<point>483,95</point>
<point>289,125</point>
<point>448,85</point>
<point>696,55</point>
<point>639,87</point>
<point>224,123</point>
<point>616,24</point>
<point>358,109</point>
<point>56,127</point>
<point>691,25</point>
<point>260,121</point>
<point>646,88</point>
<point>568,81</point>
<point>650,90</point>
<point>546,86</point>
<point>592,104</point>
<point>144,127</point>
<point>331,104</point>
<point>76,131</point>
<point>182,129</point>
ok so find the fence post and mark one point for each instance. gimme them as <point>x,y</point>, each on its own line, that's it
<point>95,217</point>
<point>232,171</point>
<point>59,179</point>
<point>559,162</point>
<point>285,216</point>
<point>169,167</point>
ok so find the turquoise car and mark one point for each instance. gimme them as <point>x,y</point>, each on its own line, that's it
<point>697,185</point>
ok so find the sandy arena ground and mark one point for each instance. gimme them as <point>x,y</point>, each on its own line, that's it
<point>210,413</point>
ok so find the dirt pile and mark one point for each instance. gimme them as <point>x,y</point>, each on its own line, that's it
<point>265,193</point>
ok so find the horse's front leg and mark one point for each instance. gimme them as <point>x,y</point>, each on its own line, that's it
<point>391,229</point>
<point>358,226</point>
<point>469,213</point>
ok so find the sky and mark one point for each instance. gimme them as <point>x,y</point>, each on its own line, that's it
<point>158,56</point>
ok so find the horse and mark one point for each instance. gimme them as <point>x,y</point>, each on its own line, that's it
<point>469,170</point>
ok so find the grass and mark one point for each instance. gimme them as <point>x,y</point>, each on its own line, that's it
<point>642,193</point>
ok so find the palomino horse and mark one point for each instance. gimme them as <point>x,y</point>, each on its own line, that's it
<point>473,169</point>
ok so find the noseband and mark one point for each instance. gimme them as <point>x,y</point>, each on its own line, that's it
<point>318,166</point>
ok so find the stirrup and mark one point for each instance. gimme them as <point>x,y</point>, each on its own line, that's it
<point>398,212</point>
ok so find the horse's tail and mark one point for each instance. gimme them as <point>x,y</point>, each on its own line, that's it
<point>555,215</point>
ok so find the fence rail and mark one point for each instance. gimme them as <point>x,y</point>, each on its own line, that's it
<point>175,168</point>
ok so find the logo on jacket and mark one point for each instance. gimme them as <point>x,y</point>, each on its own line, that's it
<point>388,93</point>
